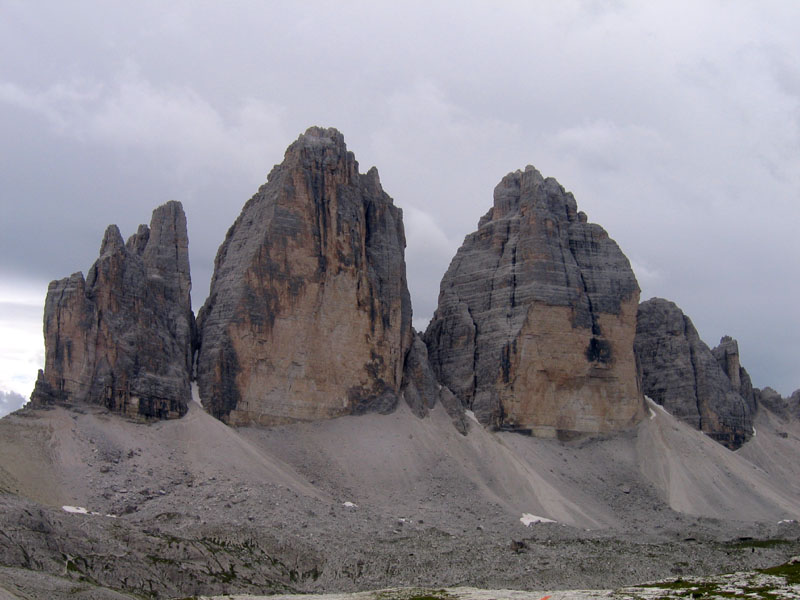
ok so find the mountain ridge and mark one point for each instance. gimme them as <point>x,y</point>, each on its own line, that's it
<point>323,445</point>
<point>317,250</point>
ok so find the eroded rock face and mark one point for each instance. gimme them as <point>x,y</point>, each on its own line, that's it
<point>422,391</point>
<point>786,408</point>
<point>309,315</point>
<point>682,374</point>
<point>122,337</point>
<point>727,356</point>
<point>537,315</point>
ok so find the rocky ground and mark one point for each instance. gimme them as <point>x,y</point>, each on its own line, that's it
<point>193,507</point>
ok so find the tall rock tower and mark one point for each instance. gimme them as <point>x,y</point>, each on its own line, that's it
<point>122,337</point>
<point>537,315</point>
<point>309,315</point>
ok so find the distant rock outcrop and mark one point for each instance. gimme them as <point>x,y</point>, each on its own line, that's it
<point>537,315</point>
<point>786,408</point>
<point>794,404</point>
<point>680,372</point>
<point>309,315</point>
<point>422,391</point>
<point>122,337</point>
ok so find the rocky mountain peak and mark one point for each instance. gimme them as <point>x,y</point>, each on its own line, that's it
<point>309,315</point>
<point>528,189</point>
<point>320,148</point>
<point>112,241</point>
<point>165,250</point>
<point>536,317</point>
<point>138,241</point>
<point>122,338</point>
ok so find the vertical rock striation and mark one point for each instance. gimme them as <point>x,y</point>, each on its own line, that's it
<point>707,389</point>
<point>122,337</point>
<point>537,315</point>
<point>309,315</point>
<point>727,357</point>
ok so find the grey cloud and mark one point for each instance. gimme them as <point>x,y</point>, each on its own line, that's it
<point>677,126</point>
<point>10,401</point>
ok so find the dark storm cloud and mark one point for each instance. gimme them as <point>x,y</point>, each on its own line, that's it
<point>676,125</point>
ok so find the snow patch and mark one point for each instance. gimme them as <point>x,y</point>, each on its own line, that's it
<point>349,505</point>
<point>472,416</point>
<point>80,510</point>
<point>653,404</point>
<point>196,394</point>
<point>77,510</point>
<point>528,519</point>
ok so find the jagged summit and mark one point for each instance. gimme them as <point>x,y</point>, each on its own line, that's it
<point>526,188</point>
<point>326,146</point>
<point>112,241</point>
<point>707,389</point>
<point>536,317</point>
<point>309,318</point>
<point>309,315</point>
<point>122,338</point>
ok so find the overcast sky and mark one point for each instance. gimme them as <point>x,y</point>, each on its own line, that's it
<point>675,124</point>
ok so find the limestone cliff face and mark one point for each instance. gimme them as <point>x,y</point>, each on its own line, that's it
<point>309,315</point>
<point>537,315</point>
<point>680,372</point>
<point>727,357</point>
<point>122,337</point>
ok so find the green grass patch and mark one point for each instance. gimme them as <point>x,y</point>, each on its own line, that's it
<point>789,571</point>
<point>414,594</point>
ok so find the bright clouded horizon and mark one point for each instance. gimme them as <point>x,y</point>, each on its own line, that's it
<point>676,125</point>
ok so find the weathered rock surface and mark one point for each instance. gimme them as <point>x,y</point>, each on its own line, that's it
<point>537,315</point>
<point>122,337</point>
<point>786,408</point>
<point>309,315</point>
<point>422,391</point>
<point>727,355</point>
<point>683,375</point>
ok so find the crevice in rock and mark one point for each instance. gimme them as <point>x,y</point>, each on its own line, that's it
<point>693,362</point>
<point>475,357</point>
<point>584,287</point>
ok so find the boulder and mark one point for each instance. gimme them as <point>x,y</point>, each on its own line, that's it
<point>309,315</point>
<point>682,374</point>
<point>536,317</point>
<point>122,337</point>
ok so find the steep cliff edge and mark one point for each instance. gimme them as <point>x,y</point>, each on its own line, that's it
<point>537,315</point>
<point>309,315</point>
<point>122,337</point>
<point>727,357</point>
<point>699,386</point>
